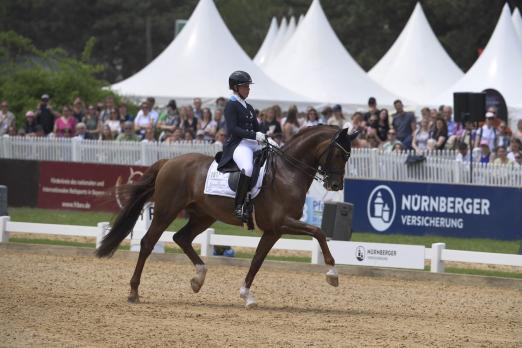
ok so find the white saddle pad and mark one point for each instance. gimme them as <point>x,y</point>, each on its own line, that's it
<point>217,182</point>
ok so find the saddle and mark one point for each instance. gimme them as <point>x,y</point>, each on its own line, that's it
<point>260,157</point>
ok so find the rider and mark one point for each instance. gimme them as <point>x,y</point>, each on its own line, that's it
<point>243,135</point>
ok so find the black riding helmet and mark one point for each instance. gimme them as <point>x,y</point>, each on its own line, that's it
<point>238,78</point>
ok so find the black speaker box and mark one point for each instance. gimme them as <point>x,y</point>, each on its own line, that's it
<point>337,220</point>
<point>469,106</point>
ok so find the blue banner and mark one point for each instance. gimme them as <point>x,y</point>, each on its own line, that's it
<point>435,209</point>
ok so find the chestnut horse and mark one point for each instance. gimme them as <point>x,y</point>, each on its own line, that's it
<point>178,183</point>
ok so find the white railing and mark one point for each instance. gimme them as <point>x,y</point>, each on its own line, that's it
<point>439,166</point>
<point>437,254</point>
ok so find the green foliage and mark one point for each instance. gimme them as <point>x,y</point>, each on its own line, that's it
<point>27,72</point>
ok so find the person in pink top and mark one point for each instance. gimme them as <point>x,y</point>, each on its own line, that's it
<point>64,126</point>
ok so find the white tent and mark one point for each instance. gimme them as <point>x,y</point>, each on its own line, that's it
<point>498,67</point>
<point>314,63</point>
<point>290,30</point>
<point>517,22</point>
<point>278,44</point>
<point>264,50</point>
<point>417,67</point>
<point>198,63</point>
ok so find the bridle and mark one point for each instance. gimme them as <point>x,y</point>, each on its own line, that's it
<point>322,173</point>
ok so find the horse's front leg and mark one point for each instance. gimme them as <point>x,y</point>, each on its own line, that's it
<point>293,226</point>
<point>266,243</point>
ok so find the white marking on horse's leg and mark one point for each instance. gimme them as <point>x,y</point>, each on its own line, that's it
<point>197,282</point>
<point>246,294</point>
<point>332,277</point>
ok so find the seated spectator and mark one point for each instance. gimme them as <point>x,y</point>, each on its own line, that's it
<point>107,108</point>
<point>188,135</point>
<point>175,137</point>
<point>384,125</point>
<point>30,123</point>
<point>189,122</point>
<point>81,132</point>
<point>7,118</point>
<point>91,122</point>
<point>518,132</point>
<point>440,133</point>
<point>197,110</point>
<point>105,134</point>
<point>128,133</point>
<point>515,147</point>
<point>219,121</point>
<point>11,131</point>
<point>144,119</point>
<point>271,126</point>
<point>220,137</point>
<point>398,148</point>
<point>356,124</point>
<point>65,124</point>
<point>464,154</point>
<point>373,141</point>
<point>200,135</point>
<point>389,144</point>
<point>149,136</point>
<point>205,124</point>
<point>78,109</point>
<point>312,118</point>
<point>518,159</point>
<point>45,115</point>
<point>326,113</point>
<point>485,152</point>
<point>504,135</point>
<point>337,118</point>
<point>114,123</point>
<point>466,134</point>
<point>447,113</point>
<point>124,113</point>
<point>421,136</point>
<point>291,125</point>
<point>39,131</point>
<point>501,156</point>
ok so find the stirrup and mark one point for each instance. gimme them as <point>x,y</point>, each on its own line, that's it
<point>238,212</point>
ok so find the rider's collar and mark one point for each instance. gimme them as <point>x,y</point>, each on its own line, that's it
<point>236,97</point>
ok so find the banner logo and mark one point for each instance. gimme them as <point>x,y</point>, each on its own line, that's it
<point>381,208</point>
<point>360,253</point>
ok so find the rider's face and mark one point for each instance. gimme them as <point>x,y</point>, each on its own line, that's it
<point>243,90</point>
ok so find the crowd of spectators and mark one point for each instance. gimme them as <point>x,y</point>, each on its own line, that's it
<point>389,130</point>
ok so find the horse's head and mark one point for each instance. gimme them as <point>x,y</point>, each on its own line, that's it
<point>335,157</point>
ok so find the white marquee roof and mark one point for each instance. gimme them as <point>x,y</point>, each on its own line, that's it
<point>416,67</point>
<point>498,67</point>
<point>517,22</point>
<point>264,50</point>
<point>278,43</point>
<point>314,63</point>
<point>198,63</point>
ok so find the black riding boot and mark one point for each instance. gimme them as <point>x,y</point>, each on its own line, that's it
<point>241,192</point>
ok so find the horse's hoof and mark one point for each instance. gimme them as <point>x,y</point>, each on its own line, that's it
<point>133,299</point>
<point>195,284</point>
<point>333,280</point>
<point>250,304</point>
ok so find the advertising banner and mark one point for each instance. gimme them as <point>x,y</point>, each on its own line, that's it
<point>314,203</point>
<point>82,186</point>
<point>378,254</point>
<point>437,209</point>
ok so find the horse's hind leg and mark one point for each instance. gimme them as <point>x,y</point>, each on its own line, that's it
<point>184,238</point>
<point>159,223</point>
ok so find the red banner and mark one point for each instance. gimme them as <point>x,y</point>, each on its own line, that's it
<point>83,186</point>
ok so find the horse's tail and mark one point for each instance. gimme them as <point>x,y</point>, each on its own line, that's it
<point>136,195</point>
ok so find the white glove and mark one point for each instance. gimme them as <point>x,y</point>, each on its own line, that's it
<point>273,142</point>
<point>261,137</point>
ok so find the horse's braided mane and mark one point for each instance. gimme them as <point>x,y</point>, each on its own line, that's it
<point>304,132</point>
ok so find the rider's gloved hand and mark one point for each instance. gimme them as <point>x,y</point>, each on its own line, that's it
<point>272,142</point>
<point>261,137</point>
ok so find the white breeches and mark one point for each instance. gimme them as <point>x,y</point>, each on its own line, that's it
<point>244,155</point>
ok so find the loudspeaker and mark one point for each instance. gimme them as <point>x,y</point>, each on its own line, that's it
<point>337,220</point>
<point>469,106</point>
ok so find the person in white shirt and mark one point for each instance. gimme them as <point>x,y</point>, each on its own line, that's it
<point>487,132</point>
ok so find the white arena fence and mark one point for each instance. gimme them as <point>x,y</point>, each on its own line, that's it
<point>439,166</point>
<point>437,254</point>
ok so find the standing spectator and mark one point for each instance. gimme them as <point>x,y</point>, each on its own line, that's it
<point>518,131</point>
<point>464,154</point>
<point>485,152</point>
<point>81,132</point>
<point>114,123</point>
<point>7,118</point>
<point>447,113</point>
<point>30,123</point>
<point>389,144</point>
<point>197,111</point>
<point>312,118</point>
<point>440,133</point>
<point>421,136</point>
<point>144,119</point>
<point>271,126</point>
<point>106,133</point>
<point>504,135</point>
<point>205,125</point>
<point>128,133</point>
<point>91,122</point>
<point>515,147</point>
<point>487,132</point>
<point>45,116</point>
<point>78,109</point>
<point>404,124</point>
<point>105,113</point>
<point>65,124</point>
<point>501,156</point>
<point>384,125</point>
<point>372,109</point>
<point>124,113</point>
<point>291,125</point>
<point>337,118</point>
